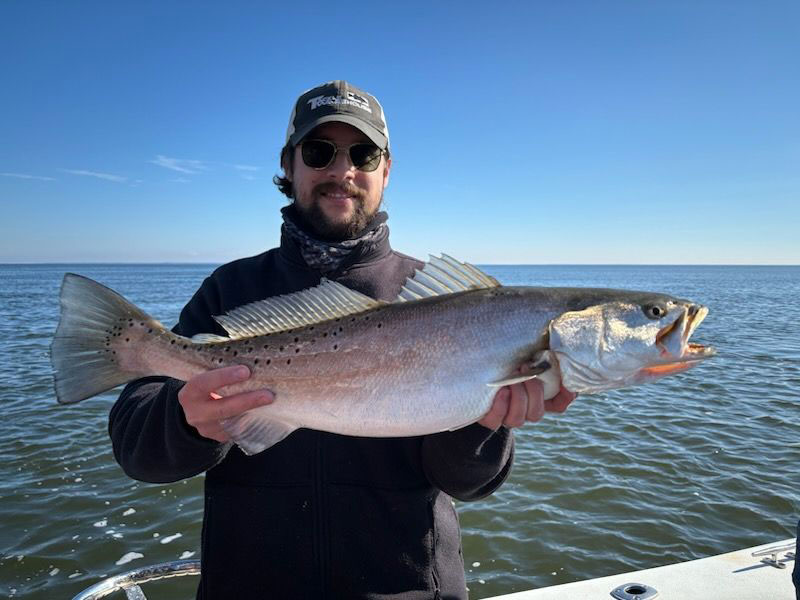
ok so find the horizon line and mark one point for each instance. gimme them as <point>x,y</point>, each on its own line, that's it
<point>520,264</point>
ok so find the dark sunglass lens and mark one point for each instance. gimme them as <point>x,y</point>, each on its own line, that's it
<point>317,154</point>
<point>366,157</point>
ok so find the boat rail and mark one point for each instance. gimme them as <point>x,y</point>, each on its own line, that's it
<point>129,581</point>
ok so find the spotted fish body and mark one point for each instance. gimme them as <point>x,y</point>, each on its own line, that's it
<point>339,361</point>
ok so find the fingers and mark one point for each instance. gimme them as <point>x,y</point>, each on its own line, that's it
<point>212,380</point>
<point>560,401</point>
<point>494,418</point>
<point>526,403</point>
<point>535,392</point>
<point>516,404</point>
<point>204,408</point>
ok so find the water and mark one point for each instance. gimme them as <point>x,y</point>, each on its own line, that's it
<point>697,464</point>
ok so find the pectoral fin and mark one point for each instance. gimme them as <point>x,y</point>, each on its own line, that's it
<point>543,367</point>
<point>512,380</point>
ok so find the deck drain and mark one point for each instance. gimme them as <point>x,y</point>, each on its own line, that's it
<point>634,591</point>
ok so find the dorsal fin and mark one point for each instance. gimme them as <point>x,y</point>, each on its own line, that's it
<point>328,300</point>
<point>444,275</point>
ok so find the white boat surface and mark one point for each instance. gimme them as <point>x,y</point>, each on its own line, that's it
<point>758,573</point>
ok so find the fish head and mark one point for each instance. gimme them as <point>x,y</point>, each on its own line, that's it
<point>617,343</point>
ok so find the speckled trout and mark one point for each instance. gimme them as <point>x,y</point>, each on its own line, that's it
<point>342,362</point>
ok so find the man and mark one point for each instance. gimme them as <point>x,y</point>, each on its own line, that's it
<point>319,515</point>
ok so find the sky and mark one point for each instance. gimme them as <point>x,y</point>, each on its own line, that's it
<point>540,132</point>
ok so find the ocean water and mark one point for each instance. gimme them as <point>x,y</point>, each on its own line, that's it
<point>697,464</point>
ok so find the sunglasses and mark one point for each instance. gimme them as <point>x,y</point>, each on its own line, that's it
<point>320,154</point>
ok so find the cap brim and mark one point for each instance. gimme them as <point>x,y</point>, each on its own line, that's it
<point>368,130</point>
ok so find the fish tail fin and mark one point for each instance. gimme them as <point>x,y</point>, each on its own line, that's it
<point>82,353</point>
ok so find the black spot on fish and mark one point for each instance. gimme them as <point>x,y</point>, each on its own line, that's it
<point>280,349</point>
<point>269,360</point>
<point>172,343</point>
<point>289,361</point>
<point>296,350</point>
<point>296,340</point>
<point>255,361</point>
<point>380,325</point>
<point>336,346</point>
<point>185,346</point>
<point>235,353</point>
<point>127,339</point>
<point>149,331</point>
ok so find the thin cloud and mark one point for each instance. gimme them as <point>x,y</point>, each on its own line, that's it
<point>26,176</point>
<point>246,168</point>
<point>182,165</point>
<point>106,176</point>
<point>249,177</point>
<point>181,180</point>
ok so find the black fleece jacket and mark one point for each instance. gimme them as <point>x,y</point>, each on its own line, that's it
<point>318,515</point>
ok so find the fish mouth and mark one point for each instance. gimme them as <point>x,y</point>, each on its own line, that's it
<point>674,346</point>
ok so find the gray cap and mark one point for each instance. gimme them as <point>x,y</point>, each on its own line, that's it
<point>340,102</point>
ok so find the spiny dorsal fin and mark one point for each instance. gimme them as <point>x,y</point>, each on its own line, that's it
<point>328,300</point>
<point>444,275</point>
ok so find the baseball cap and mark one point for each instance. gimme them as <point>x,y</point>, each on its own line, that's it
<point>341,102</point>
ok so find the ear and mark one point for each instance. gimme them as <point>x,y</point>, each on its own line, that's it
<point>287,162</point>
<point>386,172</point>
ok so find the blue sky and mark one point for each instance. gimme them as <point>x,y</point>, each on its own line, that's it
<point>522,132</point>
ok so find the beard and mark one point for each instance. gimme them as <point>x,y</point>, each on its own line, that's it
<point>314,220</point>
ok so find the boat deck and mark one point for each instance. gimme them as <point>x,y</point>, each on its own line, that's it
<point>736,575</point>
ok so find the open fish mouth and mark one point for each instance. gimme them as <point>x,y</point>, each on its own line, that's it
<point>673,343</point>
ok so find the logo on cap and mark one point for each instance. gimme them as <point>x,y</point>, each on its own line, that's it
<point>351,99</point>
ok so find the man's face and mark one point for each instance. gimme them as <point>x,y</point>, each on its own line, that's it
<point>337,202</point>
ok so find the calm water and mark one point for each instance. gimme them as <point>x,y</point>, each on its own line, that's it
<point>697,464</point>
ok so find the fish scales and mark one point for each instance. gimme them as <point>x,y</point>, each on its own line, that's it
<point>401,369</point>
<point>339,361</point>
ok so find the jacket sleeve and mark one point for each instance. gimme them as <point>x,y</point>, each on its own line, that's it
<point>468,463</point>
<point>150,436</point>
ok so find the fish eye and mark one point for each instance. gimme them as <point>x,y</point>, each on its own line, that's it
<point>654,311</point>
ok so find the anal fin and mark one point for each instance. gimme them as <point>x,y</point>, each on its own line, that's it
<point>254,431</point>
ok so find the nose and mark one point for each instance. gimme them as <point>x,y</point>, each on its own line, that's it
<point>341,167</point>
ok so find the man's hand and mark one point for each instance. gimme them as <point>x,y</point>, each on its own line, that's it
<point>205,408</point>
<point>516,404</point>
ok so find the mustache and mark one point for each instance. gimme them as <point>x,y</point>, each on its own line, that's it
<point>331,187</point>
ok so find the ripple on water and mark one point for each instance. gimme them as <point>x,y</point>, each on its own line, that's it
<point>694,465</point>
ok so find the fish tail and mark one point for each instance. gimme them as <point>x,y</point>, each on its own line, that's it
<point>83,355</point>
